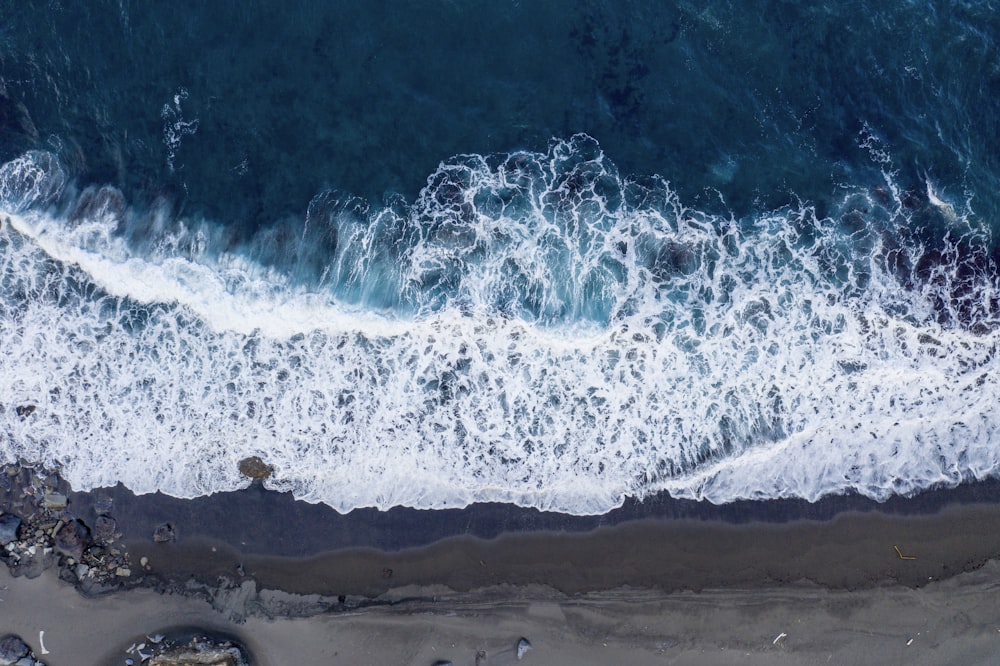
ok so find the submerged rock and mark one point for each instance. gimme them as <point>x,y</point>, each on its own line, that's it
<point>8,528</point>
<point>255,468</point>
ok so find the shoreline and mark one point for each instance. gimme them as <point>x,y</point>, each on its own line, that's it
<point>280,576</point>
<point>847,542</point>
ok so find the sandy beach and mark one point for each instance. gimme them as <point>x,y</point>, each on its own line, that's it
<point>952,621</point>
<point>662,582</point>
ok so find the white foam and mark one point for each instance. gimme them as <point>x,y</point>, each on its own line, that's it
<point>162,372</point>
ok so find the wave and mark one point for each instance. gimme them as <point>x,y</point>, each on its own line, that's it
<point>534,328</point>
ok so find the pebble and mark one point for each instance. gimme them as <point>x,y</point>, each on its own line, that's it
<point>143,561</point>
<point>523,646</point>
<point>123,572</point>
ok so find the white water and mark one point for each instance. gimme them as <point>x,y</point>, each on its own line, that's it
<point>779,358</point>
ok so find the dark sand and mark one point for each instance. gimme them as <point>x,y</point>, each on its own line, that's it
<point>659,583</point>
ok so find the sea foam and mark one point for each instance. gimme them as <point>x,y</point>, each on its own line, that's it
<point>534,328</point>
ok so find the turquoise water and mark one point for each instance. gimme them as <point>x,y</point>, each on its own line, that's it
<point>554,254</point>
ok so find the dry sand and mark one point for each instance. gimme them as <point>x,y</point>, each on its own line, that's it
<point>952,621</point>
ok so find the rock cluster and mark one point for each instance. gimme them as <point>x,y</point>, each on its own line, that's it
<point>197,651</point>
<point>38,529</point>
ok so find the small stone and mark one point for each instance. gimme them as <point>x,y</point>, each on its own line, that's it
<point>12,649</point>
<point>55,500</point>
<point>123,572</point>
<point>24,411</point>
<point>9,524</point>
<point>82,570</point>
<point>104,527</point>
<point>523,645</point>
<point>255,468</point>
<point>143,561</point>
<point>164,533</point>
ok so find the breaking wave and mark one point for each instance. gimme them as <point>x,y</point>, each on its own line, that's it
<point>534,328</point>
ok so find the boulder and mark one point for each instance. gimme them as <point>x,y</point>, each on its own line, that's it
<point>72,538</point>
<point>255,468</point>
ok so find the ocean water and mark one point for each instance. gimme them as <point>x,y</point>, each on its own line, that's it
<point>555,254</point>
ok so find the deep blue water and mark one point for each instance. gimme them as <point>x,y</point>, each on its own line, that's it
<point>552,253</point>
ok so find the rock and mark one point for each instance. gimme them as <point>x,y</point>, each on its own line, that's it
<point>199,653</point>
<point>523,645</point>
<point>9,523</point>
<point>164,533</point>
<point>24,411</point>
<point>72,539</point>
<point>255,468</point>
<point>12,649</point>
<point>104,527</point>
<point>123,572</point>
<point>55,501</point>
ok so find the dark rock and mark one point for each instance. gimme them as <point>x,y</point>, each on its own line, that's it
<point>8,528</point>
<point>164,533</point>
<point>104,527</point>
<point>72,538</point>
<point>12,649</point>
<point>523,645</point>
<point>24,411</point>
<point>255,468</point>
